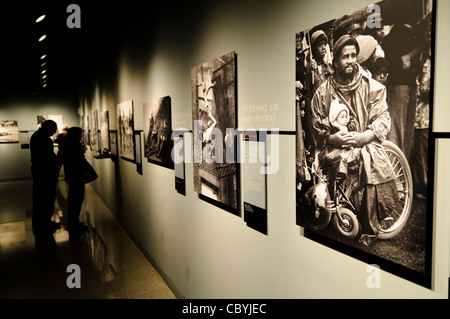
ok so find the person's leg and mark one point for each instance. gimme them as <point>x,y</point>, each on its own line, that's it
<point>76,197</point>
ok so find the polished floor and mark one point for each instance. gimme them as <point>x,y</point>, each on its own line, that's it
<point>103,263</point>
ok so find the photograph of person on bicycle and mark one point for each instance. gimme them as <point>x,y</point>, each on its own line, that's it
<point>362,133</point>
<point>366,101</point>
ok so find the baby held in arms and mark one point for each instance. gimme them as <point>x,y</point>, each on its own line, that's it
<point>339,116</point>
<point>339,160</point>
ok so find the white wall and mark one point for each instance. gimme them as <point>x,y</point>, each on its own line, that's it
<point>15,161</point>
<point>204,251</point>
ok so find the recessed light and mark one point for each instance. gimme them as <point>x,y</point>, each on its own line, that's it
<point>43,57</point>
<point>43,63</point>
<point>44,76</point>
<point>44,71</point>
<point>42,17</point>
<point>42,38</point>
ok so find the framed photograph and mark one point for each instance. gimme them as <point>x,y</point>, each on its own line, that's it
<point>158,143</point>
<point>104,132</point>
<point>213,86</point>
<point>125,130</point>
<point>113,142</point>
<point>9,131</point>
<point>85,129</point>
<point>94,131</point>
<point>364,160</point>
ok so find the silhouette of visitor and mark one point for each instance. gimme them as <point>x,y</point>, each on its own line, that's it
<point>73,159</point>
<point>45,177</point>
<point>60,141</point>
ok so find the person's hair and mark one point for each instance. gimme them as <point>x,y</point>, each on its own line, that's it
<point>48,124</point>
<point>74,131</point>
<point>379,64</point>
<point>343,41</point>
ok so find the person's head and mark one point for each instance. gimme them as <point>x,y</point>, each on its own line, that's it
<point>381,70</point>
<point>49,127</point>
<point>74,134</point>
<point>367,46</point>
<point>342,118</point>
<point>346,49</point>
<point>65,127</point>
<point>338,113</point>
<point>299,41</point>
<point>319,41</point>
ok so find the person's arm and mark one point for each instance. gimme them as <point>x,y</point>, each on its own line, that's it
<point>358,140</point>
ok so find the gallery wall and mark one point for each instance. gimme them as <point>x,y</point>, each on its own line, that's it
<point>200,249</point>
<point>15,157</point>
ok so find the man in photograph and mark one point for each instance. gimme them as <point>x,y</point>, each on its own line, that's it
<point>369,124</point>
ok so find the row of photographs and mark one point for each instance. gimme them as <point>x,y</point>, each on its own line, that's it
<point>9,129</point>
<point>372,69</point>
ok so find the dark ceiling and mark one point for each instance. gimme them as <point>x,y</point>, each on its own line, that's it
<point>21,50</point>
<point>72,54</point>
<point>69,52</point>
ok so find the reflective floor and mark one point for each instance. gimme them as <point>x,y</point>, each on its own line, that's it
<point>108,265</point>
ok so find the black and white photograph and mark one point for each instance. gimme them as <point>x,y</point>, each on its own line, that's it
<point>9,131</point>
<point>104,131</point>
<point>58,120</point>
<point>125,129</point>
<point>85,126</point>
<point>94,130</point>
<point>157,132</point>
<point>214,120</point>
<point>363,107</point>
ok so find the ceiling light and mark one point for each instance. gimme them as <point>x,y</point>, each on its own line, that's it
<point>42,38</point>
<point>44,76</point>
<point>42,17</point>
<point>44,71</point>
<point>45,85</point>
<point>43,57</point>
<point>43,63</point>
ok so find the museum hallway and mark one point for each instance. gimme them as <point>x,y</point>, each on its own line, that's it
<point>110,264</point>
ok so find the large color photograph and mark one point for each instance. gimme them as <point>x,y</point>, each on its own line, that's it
<point>363,104</point>
<point>214,120</point>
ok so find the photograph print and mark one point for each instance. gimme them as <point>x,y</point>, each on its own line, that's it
<point>363,107</point>
<point>104,131</point>
<point>9,131</point>
<point>158,132</point>
<point>85,125</point>
<point>94,131</point>
<point>125,129</point>
<point>214,120</point>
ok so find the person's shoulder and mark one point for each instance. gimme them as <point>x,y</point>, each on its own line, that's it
<point>372,83</point>
<point>36,134</point>
<point>375,85</point>
<point>323,88</point>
